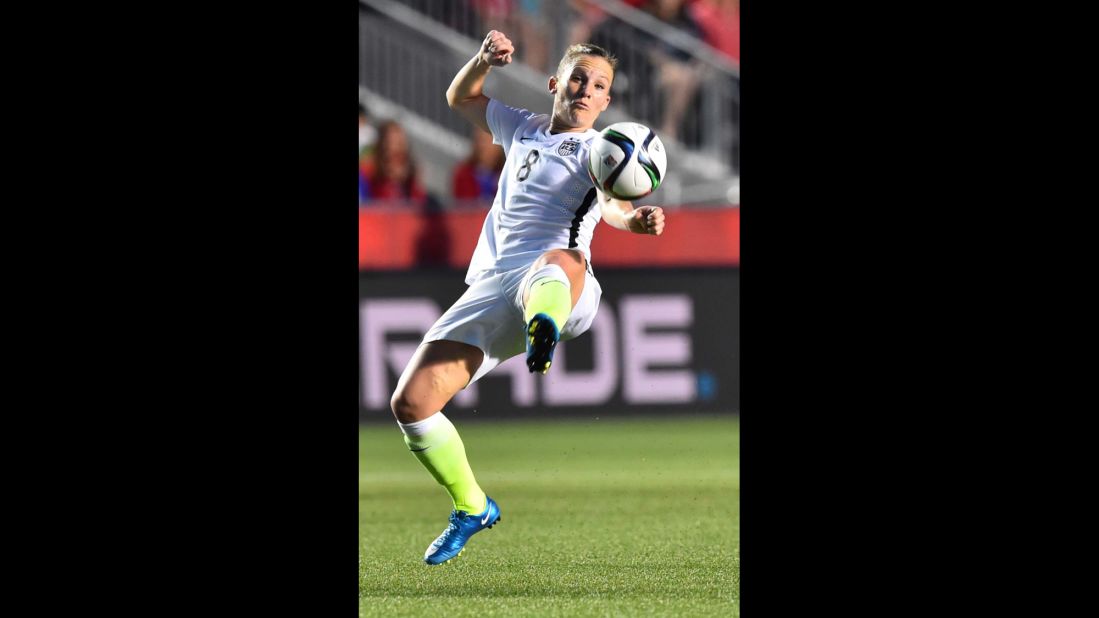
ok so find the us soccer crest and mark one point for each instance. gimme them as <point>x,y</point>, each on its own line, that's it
<point>568,147</point>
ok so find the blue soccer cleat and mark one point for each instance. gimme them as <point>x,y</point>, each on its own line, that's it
<point>462,526</point>
<point>542,336</point>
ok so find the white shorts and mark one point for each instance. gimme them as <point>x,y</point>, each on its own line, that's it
<point>490,316</point>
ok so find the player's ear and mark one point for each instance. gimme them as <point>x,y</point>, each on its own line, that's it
<point>553,84</point>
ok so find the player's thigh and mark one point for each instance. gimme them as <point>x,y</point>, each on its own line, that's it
<point>437,371</point>
<point>571,261</point>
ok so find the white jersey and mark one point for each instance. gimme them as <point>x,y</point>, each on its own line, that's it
<point>545,199</point>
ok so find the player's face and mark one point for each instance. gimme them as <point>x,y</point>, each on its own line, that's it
<point>581,93</point>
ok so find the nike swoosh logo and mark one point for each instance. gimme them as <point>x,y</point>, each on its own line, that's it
<point>523,139</point>
<point>417,450</point>
<point>431,550</point>
<point>485,519</point>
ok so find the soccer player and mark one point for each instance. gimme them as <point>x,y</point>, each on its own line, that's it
<point>530,280</point>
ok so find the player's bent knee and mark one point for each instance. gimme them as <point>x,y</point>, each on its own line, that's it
<point>572,262</point>
<point>569,260</point>
<point>400,405</point>
<point>561,257</point>
<point>405,407</point>
<point>410,402</point>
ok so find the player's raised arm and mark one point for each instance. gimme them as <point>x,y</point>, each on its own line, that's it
<point>464,94</point>
<point>621,214</point>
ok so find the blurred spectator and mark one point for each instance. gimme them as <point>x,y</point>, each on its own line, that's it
<point>719,21</point>
<point>458,15</point>
<point>367,136</point>
<point>493,15</point>
<point>590,16</point>
<point>532,44</point>
<point>677,73</point>
<point>477,177</point>
<point>390,173</point>
<point>525,18</point>
<point>663,89</point>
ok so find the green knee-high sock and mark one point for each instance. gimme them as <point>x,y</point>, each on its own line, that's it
<point>441,451</point>
<point>551,296</point>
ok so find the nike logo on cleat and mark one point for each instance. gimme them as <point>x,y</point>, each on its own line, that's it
<point>485,518</point>
<point>417,450</point>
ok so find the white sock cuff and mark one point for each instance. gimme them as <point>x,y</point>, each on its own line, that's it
<point>420,428</point>
<point>550,271</point>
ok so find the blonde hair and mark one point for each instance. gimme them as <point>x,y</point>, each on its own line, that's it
<point>585,49</point>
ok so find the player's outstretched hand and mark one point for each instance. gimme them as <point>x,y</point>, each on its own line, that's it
<point>497,49</point>
<point>649,220</point>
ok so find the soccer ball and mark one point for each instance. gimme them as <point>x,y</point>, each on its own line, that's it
<point>627,161</point>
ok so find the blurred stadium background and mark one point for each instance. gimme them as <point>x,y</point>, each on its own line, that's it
<point>660,363</point>
<point>667,334</point>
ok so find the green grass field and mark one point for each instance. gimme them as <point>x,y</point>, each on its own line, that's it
<point>598,518</point>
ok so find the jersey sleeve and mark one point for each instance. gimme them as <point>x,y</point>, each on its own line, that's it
<point>504,121</point>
